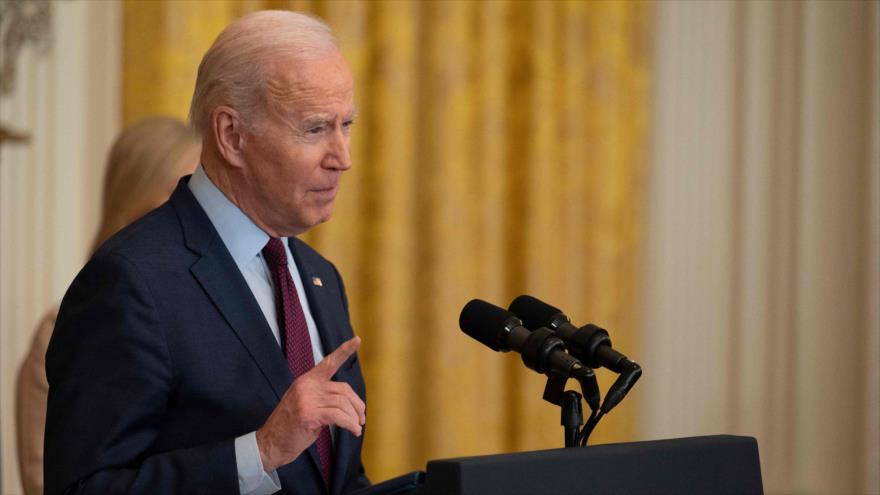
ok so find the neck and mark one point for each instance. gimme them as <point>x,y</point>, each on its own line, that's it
<point>221,176</point>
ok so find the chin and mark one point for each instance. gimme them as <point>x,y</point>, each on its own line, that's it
<point>325,214</point>
<point>310,223</point>
<point>321,220</point>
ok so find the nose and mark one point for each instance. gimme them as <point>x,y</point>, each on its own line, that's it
<point>339,151</point>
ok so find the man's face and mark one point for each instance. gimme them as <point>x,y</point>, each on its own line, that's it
<point>296,155</point>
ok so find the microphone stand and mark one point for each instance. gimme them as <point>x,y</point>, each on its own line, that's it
<point>570,401</point>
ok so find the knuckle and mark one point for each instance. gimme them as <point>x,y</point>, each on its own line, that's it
<point>312,424</point>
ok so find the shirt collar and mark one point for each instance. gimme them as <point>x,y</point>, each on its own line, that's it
<point>240,234</point>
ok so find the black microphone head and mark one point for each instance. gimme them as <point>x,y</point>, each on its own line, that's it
<point>486,322</point>
<point>533,312</point>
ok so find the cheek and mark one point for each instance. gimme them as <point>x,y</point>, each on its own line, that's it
<point>289,187</point>
<point>302,168</point>
<point>288,170</point>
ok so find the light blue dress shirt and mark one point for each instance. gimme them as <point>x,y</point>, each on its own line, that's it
<point>245,241</point>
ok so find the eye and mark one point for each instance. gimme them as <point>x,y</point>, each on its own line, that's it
<point>316,130</point>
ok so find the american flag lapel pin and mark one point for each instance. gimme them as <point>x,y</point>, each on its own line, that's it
<point>317,281</point>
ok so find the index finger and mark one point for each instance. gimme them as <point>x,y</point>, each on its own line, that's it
<point>331,363</point>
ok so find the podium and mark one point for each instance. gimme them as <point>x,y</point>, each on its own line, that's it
<point>711,464</point>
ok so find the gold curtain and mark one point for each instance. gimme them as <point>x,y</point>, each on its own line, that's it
<point>499,150</point>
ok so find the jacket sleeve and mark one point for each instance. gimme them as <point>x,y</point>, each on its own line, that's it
<point>110,379</point>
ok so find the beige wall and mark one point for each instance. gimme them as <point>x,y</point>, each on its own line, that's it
<point>761,307</point>
<point>68,101</point>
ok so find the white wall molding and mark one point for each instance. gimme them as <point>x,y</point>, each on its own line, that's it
<point>49,188</point>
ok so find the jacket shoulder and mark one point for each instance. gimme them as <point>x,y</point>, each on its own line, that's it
<point>154,234</point>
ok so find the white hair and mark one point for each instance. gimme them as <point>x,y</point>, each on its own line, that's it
<point>233,71</point>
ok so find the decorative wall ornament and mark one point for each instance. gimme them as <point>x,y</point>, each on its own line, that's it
<point>22,23</point>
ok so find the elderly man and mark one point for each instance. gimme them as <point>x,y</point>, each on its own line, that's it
<point>183,359</point>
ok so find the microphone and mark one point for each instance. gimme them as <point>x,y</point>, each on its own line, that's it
<point>590,343</point>
<point>502,331</point>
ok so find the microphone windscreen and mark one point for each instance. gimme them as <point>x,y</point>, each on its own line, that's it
<point>533,312</point>
<point>484,322</point>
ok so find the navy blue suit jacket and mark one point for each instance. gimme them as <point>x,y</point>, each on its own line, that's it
<point>161,357</point>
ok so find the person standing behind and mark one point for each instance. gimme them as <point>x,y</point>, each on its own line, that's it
<point>143,166</point>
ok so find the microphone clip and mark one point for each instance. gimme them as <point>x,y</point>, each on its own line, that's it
<point>570,401</point>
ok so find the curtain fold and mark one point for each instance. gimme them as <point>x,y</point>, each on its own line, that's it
<point>498,150</point>
<point>763,209</point>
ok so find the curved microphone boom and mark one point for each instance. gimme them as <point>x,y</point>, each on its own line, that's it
<point>590,343</point>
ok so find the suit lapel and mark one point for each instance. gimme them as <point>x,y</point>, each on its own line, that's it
<point>321,306</point>
<point>318,301</point>
<point>222,281</point>
<point>238,307</point>
<point>317,304</point>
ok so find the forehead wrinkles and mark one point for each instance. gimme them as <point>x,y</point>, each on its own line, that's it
<point>301,88</point>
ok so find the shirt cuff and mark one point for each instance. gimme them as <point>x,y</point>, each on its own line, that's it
<point>252,479</point>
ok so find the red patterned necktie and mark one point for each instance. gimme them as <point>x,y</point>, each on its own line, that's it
<point>295,340</point>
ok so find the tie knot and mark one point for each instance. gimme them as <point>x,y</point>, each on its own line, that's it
<point>274,252</point>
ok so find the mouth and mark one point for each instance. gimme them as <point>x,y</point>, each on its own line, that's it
<point>327,193</point>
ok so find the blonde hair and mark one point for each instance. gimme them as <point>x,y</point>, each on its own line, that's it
<point>233,71</point>
<point>143,165</point>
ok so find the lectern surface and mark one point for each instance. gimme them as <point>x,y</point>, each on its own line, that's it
<point>714,464</point>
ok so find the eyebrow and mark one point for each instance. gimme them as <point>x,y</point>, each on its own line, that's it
<point>316,120</point>
<point>322,119</point>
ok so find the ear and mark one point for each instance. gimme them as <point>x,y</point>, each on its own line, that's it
<point>228,134</point>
